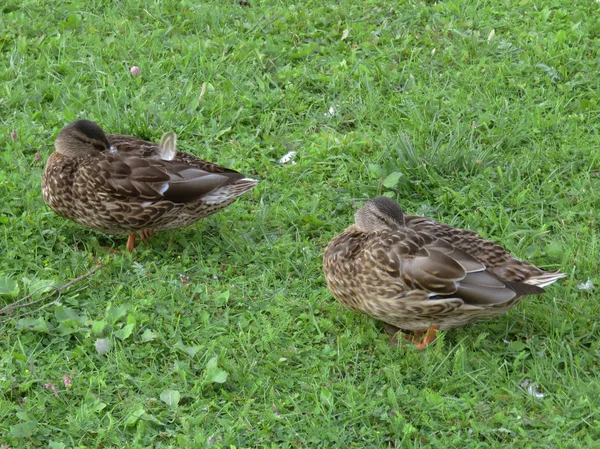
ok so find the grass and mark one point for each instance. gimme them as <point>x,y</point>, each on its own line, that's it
<point>480,114</point>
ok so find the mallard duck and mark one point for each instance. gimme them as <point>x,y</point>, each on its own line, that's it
<point>416,274</point>
<point>120,184</point>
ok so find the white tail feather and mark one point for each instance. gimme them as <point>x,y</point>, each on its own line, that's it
<point>545,279</point>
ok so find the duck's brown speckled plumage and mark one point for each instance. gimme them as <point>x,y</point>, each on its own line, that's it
<point>120,184</point>
<point>415,273</point>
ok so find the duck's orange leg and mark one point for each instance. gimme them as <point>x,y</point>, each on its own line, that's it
<point>130,242</point>
<point>144,235</point>
<point>415,336</point>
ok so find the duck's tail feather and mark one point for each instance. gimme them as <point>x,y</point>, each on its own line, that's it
<point>544,279</point>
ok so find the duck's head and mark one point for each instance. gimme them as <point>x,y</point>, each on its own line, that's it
<point>379,213</point>
<point>81,138</point>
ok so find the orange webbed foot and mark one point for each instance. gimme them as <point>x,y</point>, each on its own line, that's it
<point>146,234</point>
<point>429,337</point>
<point>413,338</point>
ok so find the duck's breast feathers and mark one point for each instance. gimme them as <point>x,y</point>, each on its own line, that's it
<point>152,180</point>
<point>345,247</point>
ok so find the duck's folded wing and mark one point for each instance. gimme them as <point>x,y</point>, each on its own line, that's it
<point>444,271</point>
<point>155,179</point>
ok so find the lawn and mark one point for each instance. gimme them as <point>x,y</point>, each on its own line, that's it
<point>481,114</point>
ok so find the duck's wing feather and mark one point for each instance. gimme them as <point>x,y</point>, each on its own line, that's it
<point>494,256</point>
<point>129,178</point>
<point>441,270</point>
<point>129,146</point>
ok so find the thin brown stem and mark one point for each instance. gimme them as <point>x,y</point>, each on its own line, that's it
<point>22,302</point>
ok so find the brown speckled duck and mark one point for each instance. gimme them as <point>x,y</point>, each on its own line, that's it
<point>416,274</point>
<point>120,184</point>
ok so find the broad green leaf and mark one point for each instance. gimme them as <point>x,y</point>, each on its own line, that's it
<point>63,313</point>
<point>23,416</point>
<point>115,313</point>
<point>55,445</point>
<point>170,397</point>
<point>362,68</point>
<point>326,397</point>
<point>217,376</point>
<point>377,171</point>
<point>214,374</point>
<point>24,429</point>
<point>8,286</point>
<point>37,287</point>
<point>148,335</point>
<point>98,327</point>
<point>212,363</point>
<point>67,329</point>
<point>135,414</point>
<point>392,179</point>
<point>516,346</point>
<point>33,324</point>
<point>192,350</point>
<point>124,333</point>
<point>150,417</point>
<point>222,298</point>
<point>93,403</point>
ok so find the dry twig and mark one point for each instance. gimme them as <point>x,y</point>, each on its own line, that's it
<point>25,301</point>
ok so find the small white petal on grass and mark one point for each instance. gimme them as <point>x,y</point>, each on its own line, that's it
<point>288,157</point>
<point>345,33</point>
<point>433,52</point>
<point>102,345</point>
<point>588,285</point>
<point>331,112</point>
<point>491,35</point>
<point>531,389</point>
